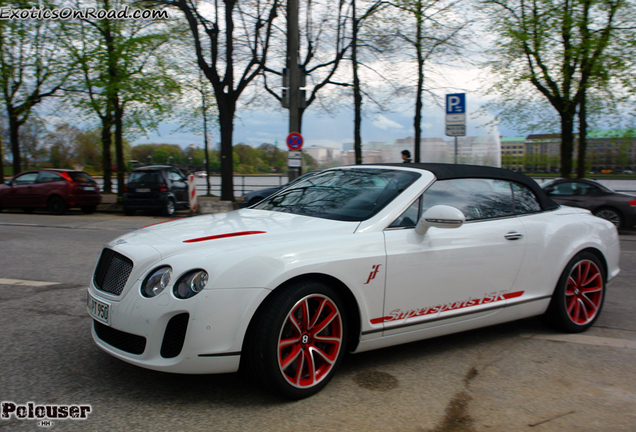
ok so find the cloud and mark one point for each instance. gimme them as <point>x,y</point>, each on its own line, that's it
<point>382,122</point>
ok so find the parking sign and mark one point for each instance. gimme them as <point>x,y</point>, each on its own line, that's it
<point>456,103</point>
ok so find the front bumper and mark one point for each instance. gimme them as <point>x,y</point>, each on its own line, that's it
<point>200,335</point>
<point>84,200</point>
<point>145,203</point>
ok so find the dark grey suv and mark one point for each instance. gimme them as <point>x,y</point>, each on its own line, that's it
<point>157,188</point>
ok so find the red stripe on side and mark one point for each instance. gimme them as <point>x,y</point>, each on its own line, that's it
<point>220,236</point>
<point>513,295</point>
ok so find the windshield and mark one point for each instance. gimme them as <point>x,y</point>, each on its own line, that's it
<point>144,177</point>
<point>346,195</point>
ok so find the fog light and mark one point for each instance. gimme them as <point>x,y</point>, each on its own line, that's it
<point>156,282</point>
<point>190,284</point>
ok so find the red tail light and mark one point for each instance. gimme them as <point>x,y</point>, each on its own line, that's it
<point>633,203</point>
<point>125,188</point>
<point>163,188</point>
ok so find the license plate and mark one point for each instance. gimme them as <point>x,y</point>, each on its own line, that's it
<point>89,188</point>
<point>98,310</point>
<point>143,190</point>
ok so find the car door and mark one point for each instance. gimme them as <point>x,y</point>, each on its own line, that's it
<point>21,193</point>
<point>48,182</point>
<point>567,193</point>
<point>179,185</point>
<point>456,274</point>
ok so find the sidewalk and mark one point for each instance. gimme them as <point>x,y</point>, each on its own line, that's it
<point>109,204</point>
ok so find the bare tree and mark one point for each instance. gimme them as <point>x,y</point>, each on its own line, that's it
<point>231,41</point>
<point>432,29</point>
<point>323,42</point>
<point>33,66</point>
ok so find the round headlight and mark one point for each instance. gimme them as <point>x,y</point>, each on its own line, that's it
<point>156,282</point>
<point>190,284</point>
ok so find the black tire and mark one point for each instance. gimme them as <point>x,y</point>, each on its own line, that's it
<point>128,211</point>
<point>579,295</point>
<point>28,209</point>
<point>56,205</point>
<point>308,360</point>
<point>89,209</point>
<point>169,208</point>
<point>610,214</point>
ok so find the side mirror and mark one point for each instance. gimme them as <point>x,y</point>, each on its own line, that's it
<point>440,216</point>
<point>8,182</point>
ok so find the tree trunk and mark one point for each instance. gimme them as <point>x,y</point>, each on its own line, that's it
<point>1,163</point>
<point>581,169</point>
<point>567,142</point>
<point>106,157</point>
<point>357,96</point>
<point>226,117</point>
<point>14,130</point>
<point>206,144</point>
<point>418,98</point>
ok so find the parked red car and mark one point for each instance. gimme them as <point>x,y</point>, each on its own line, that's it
<point>53,189</point>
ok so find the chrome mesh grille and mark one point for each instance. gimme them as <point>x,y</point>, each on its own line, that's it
<point>112,272</point>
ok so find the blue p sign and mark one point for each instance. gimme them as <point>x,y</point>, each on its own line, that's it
<point>456,103</point>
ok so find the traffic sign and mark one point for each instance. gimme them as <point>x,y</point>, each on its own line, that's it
<point>456,130</point>
<point>294,159</point>
<point>453,119</point>
<point>456,103</point>
<point>294,141</point>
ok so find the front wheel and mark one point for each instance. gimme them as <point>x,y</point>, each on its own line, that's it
<point>298,340</point>
<point>578,298</point>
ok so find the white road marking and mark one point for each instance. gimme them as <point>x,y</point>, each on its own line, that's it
<point>586,340</point>
<point>26,282</point>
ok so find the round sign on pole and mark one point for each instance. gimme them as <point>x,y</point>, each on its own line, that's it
<point>294,141</point>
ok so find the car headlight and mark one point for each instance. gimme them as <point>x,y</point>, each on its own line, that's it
<point>156,282</point>
<point>190,284</point>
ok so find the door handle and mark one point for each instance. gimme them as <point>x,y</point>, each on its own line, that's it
<point>512,235</point>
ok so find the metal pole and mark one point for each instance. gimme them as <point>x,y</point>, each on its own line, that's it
<point>455,150</point>
<point>293,70</point>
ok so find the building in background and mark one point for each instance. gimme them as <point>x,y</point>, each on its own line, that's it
<point>513,151</point>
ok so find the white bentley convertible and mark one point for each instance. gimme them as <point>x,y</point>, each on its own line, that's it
<point>350,259</point>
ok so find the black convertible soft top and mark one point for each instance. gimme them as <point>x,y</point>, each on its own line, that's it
<point>452,171</point>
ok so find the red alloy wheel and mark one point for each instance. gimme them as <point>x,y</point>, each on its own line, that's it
<point>310,341</point>
<point>584,292</point>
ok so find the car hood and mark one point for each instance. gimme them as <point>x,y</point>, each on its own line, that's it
<point>228,231</point>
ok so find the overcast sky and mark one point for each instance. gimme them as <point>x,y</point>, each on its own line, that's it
<point>271,125</point>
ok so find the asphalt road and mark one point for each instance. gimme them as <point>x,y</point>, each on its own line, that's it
<point>514,377</point>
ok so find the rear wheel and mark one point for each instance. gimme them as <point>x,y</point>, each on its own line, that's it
<point>578,298</point>
<point>169,208</point>
<point>56,205</point>
<point>298,340</point>
<point>610,214</point>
